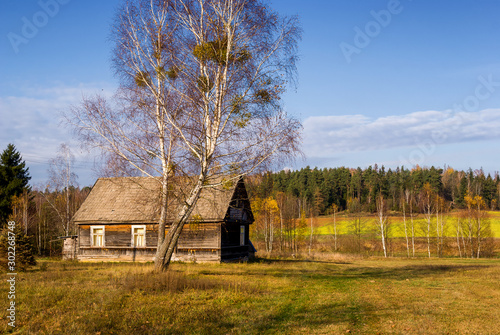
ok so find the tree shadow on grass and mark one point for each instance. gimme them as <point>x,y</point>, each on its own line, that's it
<point>295,261</point>
<point>292,316</point>
<point>408,271</point>
<point>324,270</point>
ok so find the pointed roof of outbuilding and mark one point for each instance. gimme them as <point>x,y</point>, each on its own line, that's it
<point>137,200</point>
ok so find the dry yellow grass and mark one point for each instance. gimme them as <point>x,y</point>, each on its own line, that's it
<point>327,296</point>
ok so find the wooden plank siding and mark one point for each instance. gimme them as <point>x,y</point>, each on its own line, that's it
<point>151,235</point>
<point>200,242</point>
<point>213,241</point>
<point>84,236</point>
<point>199,236</point>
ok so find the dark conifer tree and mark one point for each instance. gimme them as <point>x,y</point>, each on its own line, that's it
<point>14,178</point>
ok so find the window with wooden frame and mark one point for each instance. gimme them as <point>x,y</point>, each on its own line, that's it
<point>138,236</point>
<point>97,236</point>
<point>242,235</point>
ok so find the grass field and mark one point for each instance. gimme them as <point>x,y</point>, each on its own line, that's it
<point>339,295</point>
<point>324,224</point>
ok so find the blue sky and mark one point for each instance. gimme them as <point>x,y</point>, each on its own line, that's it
<point>379,82</point>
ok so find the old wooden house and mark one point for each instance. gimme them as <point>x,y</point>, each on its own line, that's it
<point>119,222</point>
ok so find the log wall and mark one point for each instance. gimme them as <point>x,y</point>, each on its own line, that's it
<point>198,242</point>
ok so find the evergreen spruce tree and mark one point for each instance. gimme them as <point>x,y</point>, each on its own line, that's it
<point>14,177</point>
<point>24,249</point>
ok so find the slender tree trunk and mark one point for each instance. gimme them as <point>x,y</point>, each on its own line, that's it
<point>458,238</point>
<point>271,234</point>
<point>471,235</point>
<point>382,220</point>
<point>266,232</point>
<point>68,176</point>
<point>442,233</point>
<point>25,210</point>
<point>39,232</point>
<point>406,230</point>
<point>335,228</point>
<point>166,249</point>
<point>464,243</point>
<point>429,231</point>
<point>281,229</point>
<point>311,236</point>
<point>478,229</point>
<point>358,228</point>
<point>438,252</point>
<point>412,226</point>
<point>162,222</point>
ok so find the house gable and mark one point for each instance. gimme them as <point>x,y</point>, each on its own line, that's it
<point>239,209</point>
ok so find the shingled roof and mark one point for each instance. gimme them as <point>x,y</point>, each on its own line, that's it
<point>137,200</point>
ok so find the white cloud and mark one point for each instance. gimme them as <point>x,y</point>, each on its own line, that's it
<point>31,120</point>
<point>326,136</point>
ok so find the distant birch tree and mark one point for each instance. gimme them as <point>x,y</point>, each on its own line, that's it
<point>201,82</point>
<point>412,222</point>
<point>477,227</point>
<point>404,202</point>
<point>382,220</point>
<point>480,205</point>
<point>335,208</point>
<point>280,199</point>
<point>427,202</point>
<point>458,236</point>
<point>61,178</point>
<point>311,230</point>
<point>267,215</point>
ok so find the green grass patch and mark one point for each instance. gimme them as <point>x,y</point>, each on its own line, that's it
<point>331,296</point>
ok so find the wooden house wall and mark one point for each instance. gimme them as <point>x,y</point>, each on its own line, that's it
<point>199,242</point>
<point>231,234</point>
<point>118,236</point>
<point>231,248</point>
<point>84,236</point>
<point>199,236</point>
<point>151,235</point>
<point>117,254</point>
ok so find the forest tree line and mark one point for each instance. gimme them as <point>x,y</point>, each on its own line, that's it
<point>287,203</point>
<point>320,189</point>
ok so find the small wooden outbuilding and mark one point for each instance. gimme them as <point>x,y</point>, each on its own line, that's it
<point>119,222</point>
<point>69,250</point>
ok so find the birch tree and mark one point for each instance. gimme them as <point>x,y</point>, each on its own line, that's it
<point>61,178</point>
<point>477,227</point>
<point>335,208</point>
<point>469,226</point>
<point>201,82</point>
<point>404,200</point>
<point>458,236</point>
<point>382,220</point>
<point>412,222</point>
<point>426,198</point>
<point>280,199</point>
<point>480,204</point>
